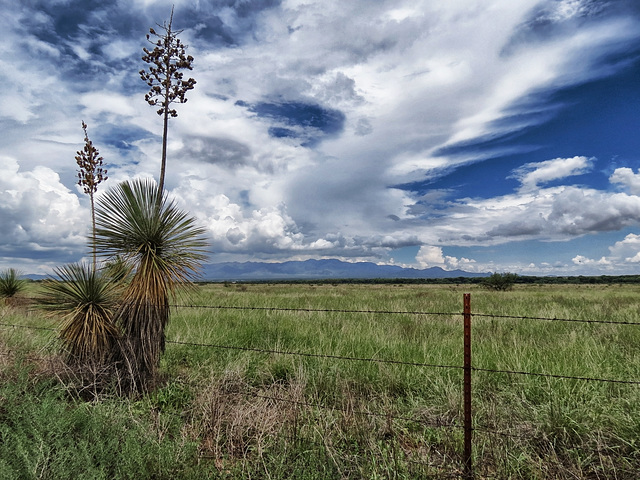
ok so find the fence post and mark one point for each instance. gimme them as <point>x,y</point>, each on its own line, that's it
<point>468,430</point>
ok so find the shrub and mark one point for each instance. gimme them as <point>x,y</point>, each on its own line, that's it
<point>10,283</point>
<point>501,281</point>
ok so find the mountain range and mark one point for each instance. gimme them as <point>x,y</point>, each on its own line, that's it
<point>321,270</point>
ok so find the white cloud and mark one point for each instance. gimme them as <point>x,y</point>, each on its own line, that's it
<point>531,175</point>
<point>38,213</point>
<point>581,260</point>
<point>626,177</point>
<point>623,258</point>
<point>627,250</point>
<point>430,256</point>
<point>101,102</point>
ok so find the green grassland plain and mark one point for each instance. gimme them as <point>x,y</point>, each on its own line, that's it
<point>343,381</point>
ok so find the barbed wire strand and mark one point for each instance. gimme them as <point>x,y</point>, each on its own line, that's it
<point>550,375</point>
<point>554,319</point>
<point>316,355</point>
<point>406,312</point>
<point>480,369</point>
<point>317,310</point>
<point>31,327</point>
<point>372,360</point>
<point>400,312</point>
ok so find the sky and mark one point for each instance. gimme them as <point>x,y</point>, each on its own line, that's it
<point>481,135</point>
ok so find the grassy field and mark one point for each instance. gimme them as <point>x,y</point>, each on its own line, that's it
<point>230,407</point>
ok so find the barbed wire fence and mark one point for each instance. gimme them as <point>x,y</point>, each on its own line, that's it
<point>466,470</point>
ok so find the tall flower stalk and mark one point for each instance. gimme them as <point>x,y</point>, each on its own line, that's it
<point>165,79</point>
<point>90,175</point>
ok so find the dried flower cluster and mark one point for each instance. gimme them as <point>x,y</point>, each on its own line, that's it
<point>165,79</point>
<point>91,173</point>
<point>164,75</point>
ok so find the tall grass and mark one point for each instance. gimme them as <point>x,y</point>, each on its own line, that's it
<point>255,414</point>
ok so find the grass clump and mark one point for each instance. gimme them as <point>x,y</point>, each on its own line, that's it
<point>11,284</point>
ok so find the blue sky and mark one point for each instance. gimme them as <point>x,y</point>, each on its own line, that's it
<point>483,135</point>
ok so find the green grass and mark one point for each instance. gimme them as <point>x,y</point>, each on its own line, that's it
<point>234,413</point>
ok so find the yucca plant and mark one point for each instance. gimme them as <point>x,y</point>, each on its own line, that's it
<point>118,270</point>
<point>85,298</point>
<point>164,249</point>
<point>11,284</point>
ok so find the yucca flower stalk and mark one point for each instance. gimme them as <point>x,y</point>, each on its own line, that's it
<point>164,249</point>
<point>91,174</point>
<point>165,79</point>
<point>85,298</point>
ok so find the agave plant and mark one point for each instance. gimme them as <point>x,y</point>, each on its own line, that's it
<point>164,249</point>
<point>10,283</point>
<point>86,299</point>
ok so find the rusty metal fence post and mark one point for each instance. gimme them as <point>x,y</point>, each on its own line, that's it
<point>468,430</point>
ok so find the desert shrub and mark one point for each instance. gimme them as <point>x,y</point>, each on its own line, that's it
<point>10,283</point>
<point>501,281</point>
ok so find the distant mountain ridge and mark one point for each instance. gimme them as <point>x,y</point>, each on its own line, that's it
<point>321,270</point>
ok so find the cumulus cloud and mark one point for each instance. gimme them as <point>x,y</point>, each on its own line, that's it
<point>430,256</point>
<point>627,178</point>
<point>623,257</point>
<point>627,250</point>
<point>38,214</point>
<point>532,175</point>
<point>580,260</point>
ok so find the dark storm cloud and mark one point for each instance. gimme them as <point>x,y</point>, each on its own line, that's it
<point>67,19</point>
<point>217,151</point>
<point>516,229</point>
<point>228,22</point>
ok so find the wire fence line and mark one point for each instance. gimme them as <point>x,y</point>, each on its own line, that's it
<point>404,312</point>
<point>564,377</point>
<point>554,319</point>
<point>28,327</point>
<point>318,310</point>
<point>378,360</point>
<point>393,312</point>
<point>399,362</point>
<point>386,415</point>
<point>316,355</point>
